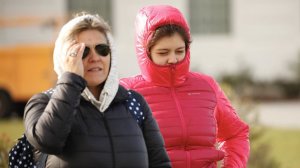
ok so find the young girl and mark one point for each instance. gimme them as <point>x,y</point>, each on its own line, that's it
<point>197,121</point>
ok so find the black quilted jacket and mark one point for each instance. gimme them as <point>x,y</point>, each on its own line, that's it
<point>76,134</point>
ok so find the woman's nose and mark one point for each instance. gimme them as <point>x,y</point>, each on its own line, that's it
<point>94,55</point>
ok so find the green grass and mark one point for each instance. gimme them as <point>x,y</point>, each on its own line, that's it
<point>285,143</point>
<point>14,128</point>
<point>285,146</point>
<point>10,131</point>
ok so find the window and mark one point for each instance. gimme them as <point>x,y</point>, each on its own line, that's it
<point>210,16</point>
<point>101,7</point>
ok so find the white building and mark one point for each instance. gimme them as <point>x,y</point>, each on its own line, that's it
<point>228,35</point>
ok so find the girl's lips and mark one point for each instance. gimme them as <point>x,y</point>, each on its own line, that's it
<point>95,69</point>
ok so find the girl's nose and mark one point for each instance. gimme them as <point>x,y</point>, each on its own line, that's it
<point>172,59</point>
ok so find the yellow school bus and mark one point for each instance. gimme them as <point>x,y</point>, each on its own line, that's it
<point>26,49</point>
<point>24,70</point>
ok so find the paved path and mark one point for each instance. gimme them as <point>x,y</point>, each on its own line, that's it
<point>284,114</point>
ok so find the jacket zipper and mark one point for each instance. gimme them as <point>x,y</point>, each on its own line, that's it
<point>110,140</point>
<point>180,114</point>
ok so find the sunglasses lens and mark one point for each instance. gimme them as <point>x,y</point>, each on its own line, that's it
<point>85,52</point>
<point>102,49</point>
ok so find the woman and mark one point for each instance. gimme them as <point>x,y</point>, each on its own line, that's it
<point>86,122</point>
<point>192,111</point>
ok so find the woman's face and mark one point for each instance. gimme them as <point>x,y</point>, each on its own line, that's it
<point>168,50</point>
<point>96,66</point>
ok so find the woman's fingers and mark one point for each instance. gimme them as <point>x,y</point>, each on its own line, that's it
<point>73,60</point>
<point>81,50</point>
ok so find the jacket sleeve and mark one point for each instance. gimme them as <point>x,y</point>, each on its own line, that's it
<point>48,121</point>
<point>131,82</point>
<point>126,82</point>
<point>232,133</point>
<point>158,157</point>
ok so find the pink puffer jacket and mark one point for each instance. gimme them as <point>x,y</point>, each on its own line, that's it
<point>192,111</point>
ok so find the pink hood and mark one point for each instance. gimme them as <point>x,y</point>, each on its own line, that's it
<point>147,20</point>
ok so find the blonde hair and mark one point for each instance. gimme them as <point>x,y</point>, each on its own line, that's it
<point>81,22</point>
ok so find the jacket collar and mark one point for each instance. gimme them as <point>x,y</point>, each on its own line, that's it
<point>121,96</point>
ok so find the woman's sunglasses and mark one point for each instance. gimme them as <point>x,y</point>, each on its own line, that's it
<point>101,49</point>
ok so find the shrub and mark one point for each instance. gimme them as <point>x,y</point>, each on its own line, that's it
<point>260,152</point>
<point>5,145</point>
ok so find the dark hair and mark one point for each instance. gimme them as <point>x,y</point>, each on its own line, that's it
<point>168,30</point>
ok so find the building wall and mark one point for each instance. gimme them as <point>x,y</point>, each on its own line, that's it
<point>264,38</point>
<point>30,21</point>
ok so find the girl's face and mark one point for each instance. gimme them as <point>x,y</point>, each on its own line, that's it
<point>168,50</point>
<point>96,66</point>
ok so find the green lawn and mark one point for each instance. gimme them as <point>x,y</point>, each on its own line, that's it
<point>14,128</point>
<point>285,144</point>
<point>10,131</point>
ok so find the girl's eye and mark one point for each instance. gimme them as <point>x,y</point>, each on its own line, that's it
<point>162,53</point>
<point>180,51</point>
